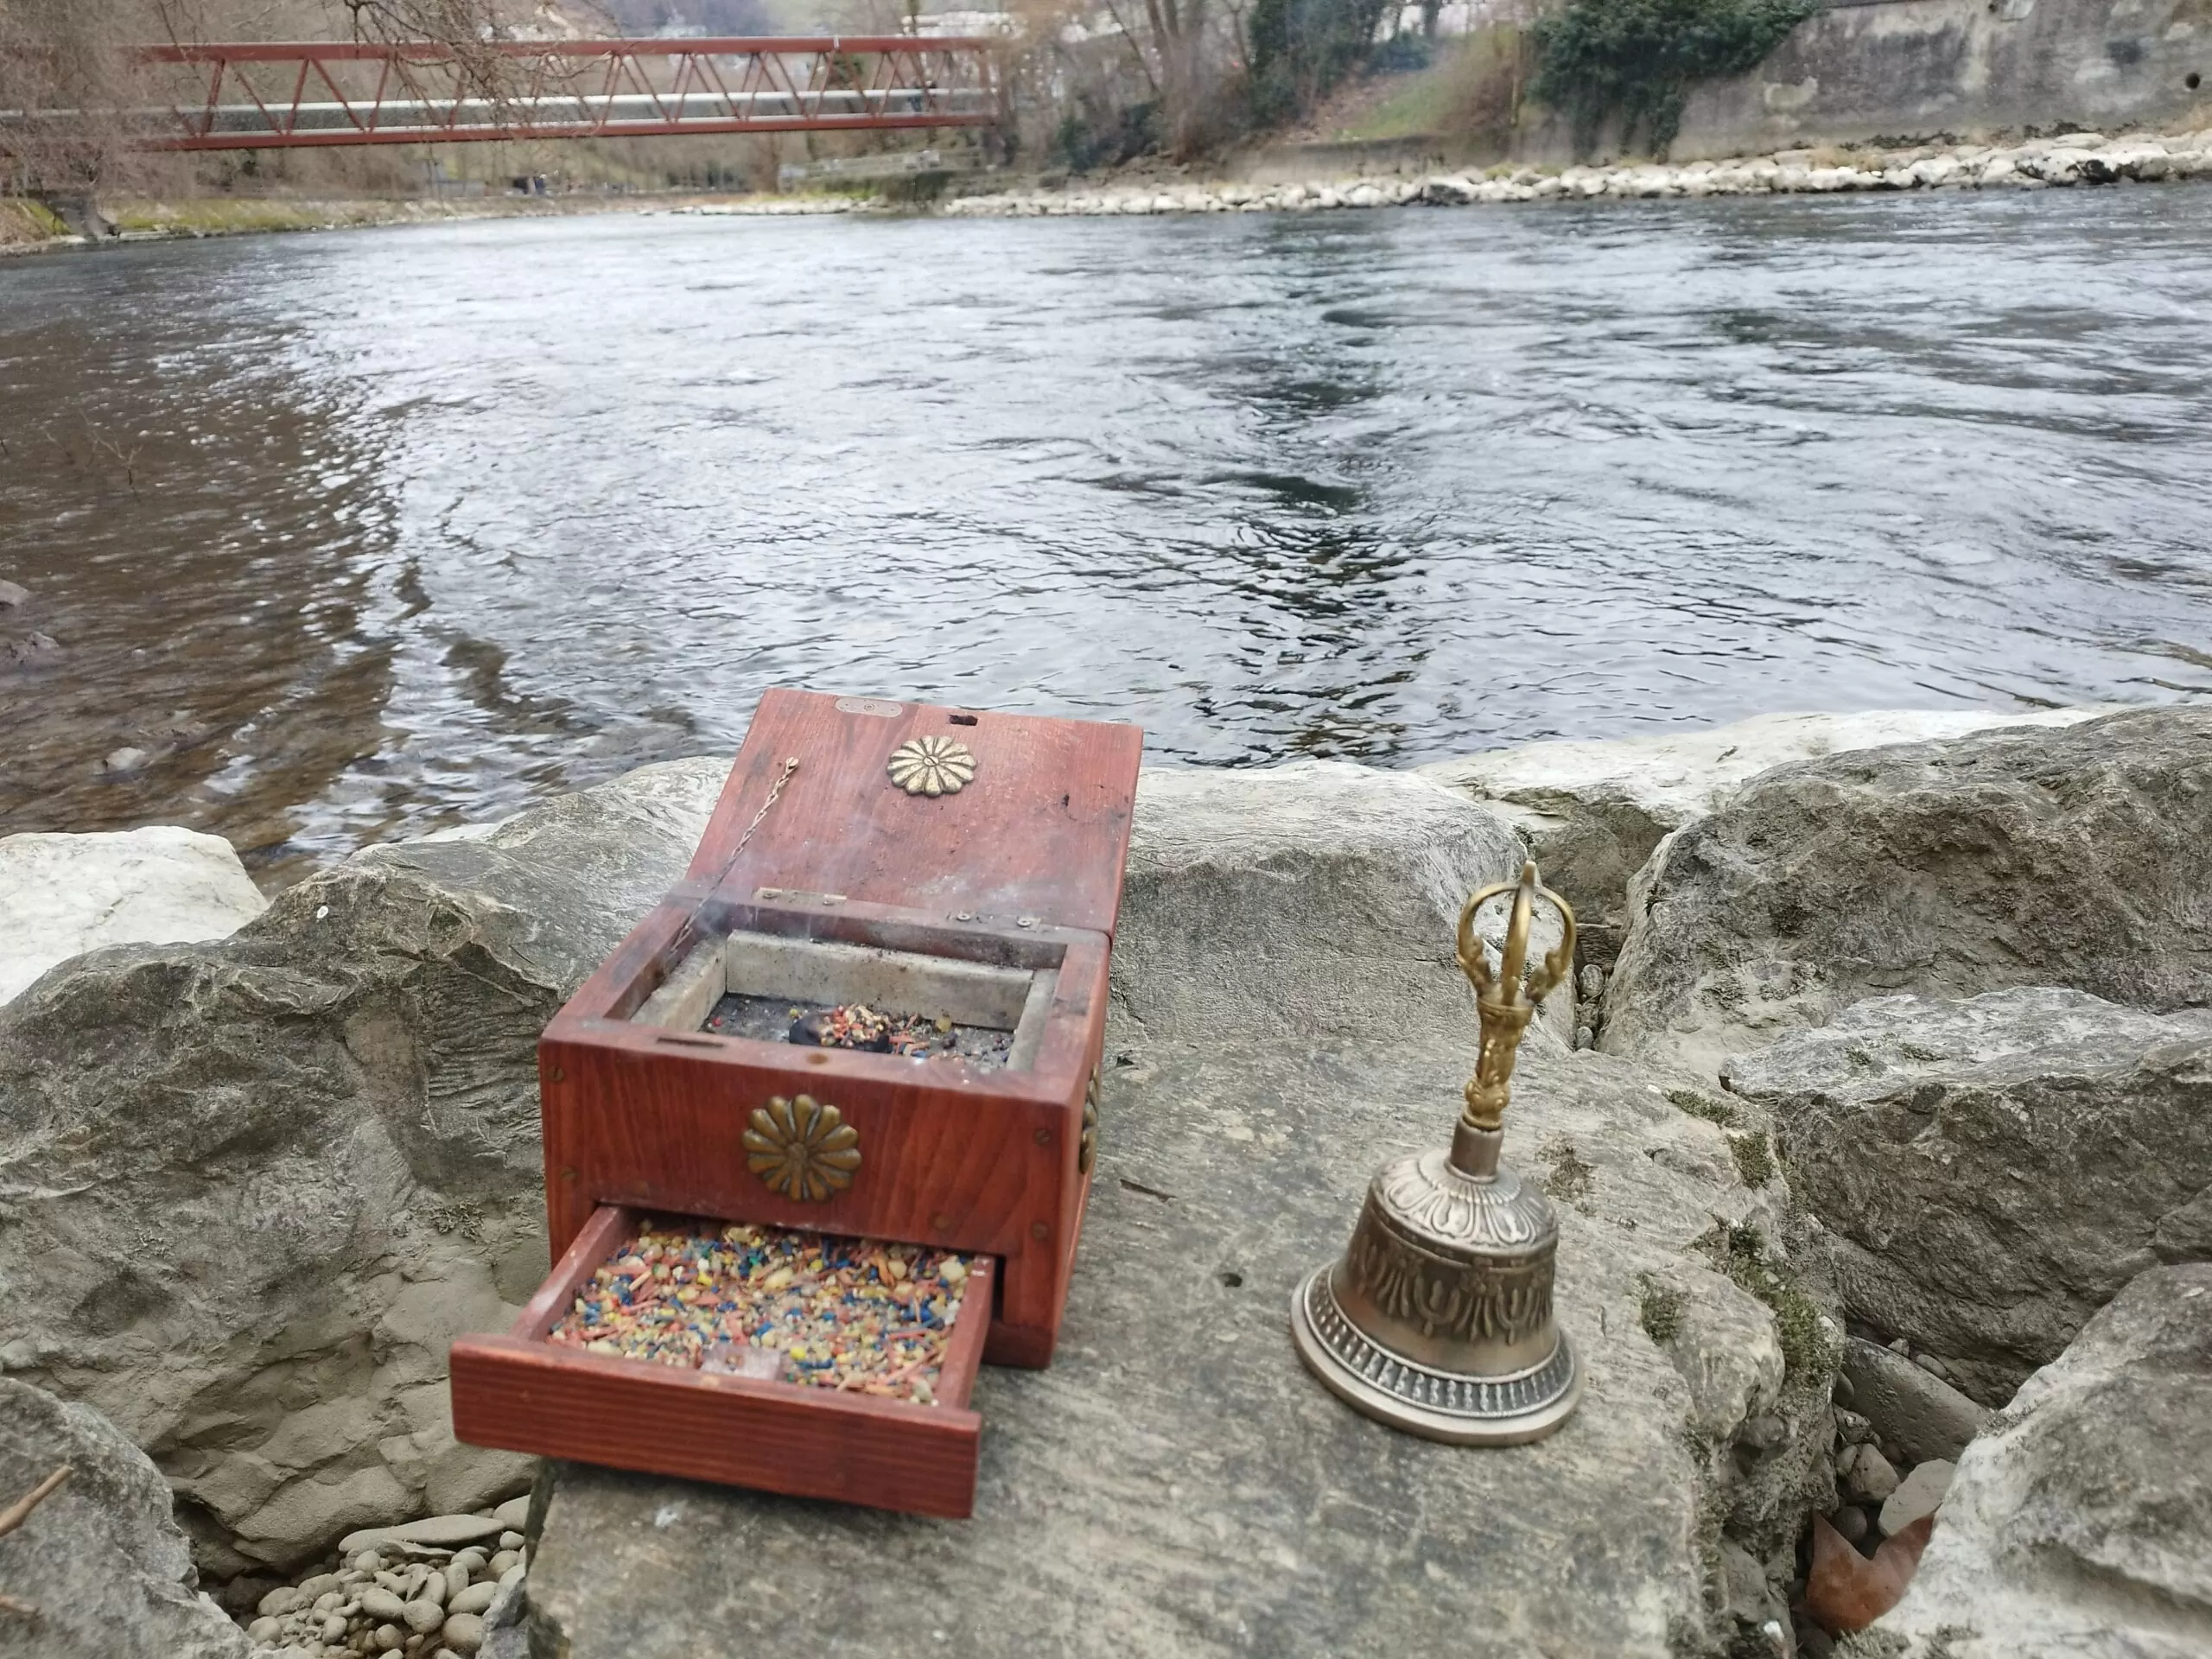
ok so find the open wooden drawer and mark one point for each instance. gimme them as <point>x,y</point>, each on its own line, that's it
<point>525,1393</point>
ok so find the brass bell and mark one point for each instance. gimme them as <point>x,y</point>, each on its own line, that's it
<point>1438,1320</point>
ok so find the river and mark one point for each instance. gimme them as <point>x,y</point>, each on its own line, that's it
<point>359,535</point>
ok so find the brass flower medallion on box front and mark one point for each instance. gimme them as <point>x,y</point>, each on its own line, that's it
<point>801,1148</point>
<point>932,765</point>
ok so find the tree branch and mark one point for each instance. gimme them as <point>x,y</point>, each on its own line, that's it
<point>16,1513</point>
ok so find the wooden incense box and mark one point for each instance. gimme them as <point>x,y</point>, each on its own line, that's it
<point>830,874</point>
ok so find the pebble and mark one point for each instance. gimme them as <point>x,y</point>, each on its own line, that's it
<point>12,595</point>
<point>474,1599</point>
<point>1851,1522</point>
<point>1867,1474</point>
<point>1919,1493</point>
<point>443,1531</point>
<point>125,760</point>
<point>418,1609</point>
<point>513,1515</point>
<point>843,1313</point>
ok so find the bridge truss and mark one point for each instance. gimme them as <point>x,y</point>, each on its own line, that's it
<point>307,93</point>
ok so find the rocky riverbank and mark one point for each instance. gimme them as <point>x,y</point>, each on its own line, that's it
<point>1870,1025</point>
<point>2069,159</point>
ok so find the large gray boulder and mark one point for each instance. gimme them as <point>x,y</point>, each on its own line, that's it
<point>100,1558</point>
<point>1993,1170</point>
<point>253,1189</point>
<point>63,894</point>
<point>1593,811</point>
<point>2080,857</point>
<point>2079,1525</point>
<point>1284,1019</point>
<point>1918,1417</point>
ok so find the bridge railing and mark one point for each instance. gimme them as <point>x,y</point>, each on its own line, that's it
<point>282,95</point>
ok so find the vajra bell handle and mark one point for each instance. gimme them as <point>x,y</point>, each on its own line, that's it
<point>1506,1000</point>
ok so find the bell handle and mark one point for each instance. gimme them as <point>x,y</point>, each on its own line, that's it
<point>1512,987</point>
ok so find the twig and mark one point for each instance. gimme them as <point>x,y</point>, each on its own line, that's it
<point>16,1514</point>
<point>13,1516</point>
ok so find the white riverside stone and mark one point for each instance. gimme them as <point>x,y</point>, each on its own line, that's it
<point>1593,811</point>
<point>463,1632</point>
<point>422,1616</point>
<point>2079,1525</point>
<point>474,1599</point>
<point>1919,1493</point>
<point>61,895</point>
<point>1994,1169</point>
<point>443,1531</point>
<point>383,1606</point>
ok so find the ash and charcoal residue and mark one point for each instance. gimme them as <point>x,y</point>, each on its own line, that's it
<point>856,1025</point>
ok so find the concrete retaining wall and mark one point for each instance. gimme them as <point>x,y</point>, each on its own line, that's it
<point>1923,69</point>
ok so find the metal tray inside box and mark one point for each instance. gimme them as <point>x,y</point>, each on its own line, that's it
<point>753,985</point>
<point>523,1392</point>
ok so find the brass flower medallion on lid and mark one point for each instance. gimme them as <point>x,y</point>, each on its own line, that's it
<point>801,1148</point>
<point>932,765</point>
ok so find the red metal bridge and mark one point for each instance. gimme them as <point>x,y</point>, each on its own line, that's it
<point>284,96</point>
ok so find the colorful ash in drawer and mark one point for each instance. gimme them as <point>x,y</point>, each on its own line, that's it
<point>765,1302</point>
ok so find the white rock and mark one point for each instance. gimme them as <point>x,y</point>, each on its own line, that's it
<point>61,895</point>
<point>2080,1524</point>
<point>1917,1493</point>
<point>1593,811</point>
<point>474,1599</point>
<point>445,1531</point>
<point>513,1515</point>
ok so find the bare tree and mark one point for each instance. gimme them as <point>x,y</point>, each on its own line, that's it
<point>79,101</point>
<point>69,82</point>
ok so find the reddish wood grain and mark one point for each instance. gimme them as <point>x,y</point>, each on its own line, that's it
<point>522,1393</point>
<point>982,1162</point>
<point>1042,831</point>
<point>1023,866</point>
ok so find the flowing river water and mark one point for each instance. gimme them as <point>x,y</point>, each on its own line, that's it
<point>360,535</point>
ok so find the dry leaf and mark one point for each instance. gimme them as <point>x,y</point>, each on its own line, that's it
<point>1845,1592</point>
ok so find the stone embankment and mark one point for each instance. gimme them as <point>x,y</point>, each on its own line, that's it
<point>2073,158</point>
<point>1878,1014</point>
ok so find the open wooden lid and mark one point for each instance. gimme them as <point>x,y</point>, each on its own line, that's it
<point>1040,827</point>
